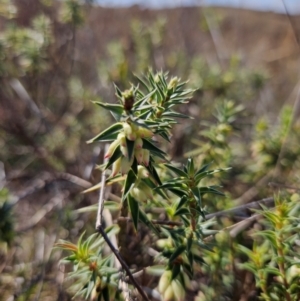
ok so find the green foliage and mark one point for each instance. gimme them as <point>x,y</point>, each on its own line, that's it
<point>268,143</point>
<point>142,115</point>
<point>159,203</point>
<point>216,146</point>
<point>275,253</point>
<point>95,275</point>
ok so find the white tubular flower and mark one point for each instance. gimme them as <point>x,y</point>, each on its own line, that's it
<point>122,139</point>
<point>164,281</point>
<point>169,294</point>
<point>111,149</point>
<point>146,157</point>
<point>138,143</point>
<point>139,155</point>
<point>128,131</point>
<point>187,281</point>
<point>124,151</point>
<point>142,172</point>
<point>178,290</point>
<point>116,167</point>
<point>145,133</point>
<point>125,165</point>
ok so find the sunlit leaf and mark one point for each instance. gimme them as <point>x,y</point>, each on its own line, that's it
<point>109,134</point>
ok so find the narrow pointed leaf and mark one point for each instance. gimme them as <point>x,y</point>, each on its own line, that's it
<point>108,134</point>
<point>143,100</point>
<point>115,108</point>
<point>154,173</point>
<point>174,114</point>
<point>190,167</point>
<point>151,147</point>
<point>129,183</point>
<point>175,271</point>
<point>178,192</point>
<point>197,194</point>
<point>130,148</point>
<point>134,209</point>
<point>118,91</point>
<point>176,253</point>
<point>182,202</point>
<point>211,190</point>
<point>176,170</point>
<point>203,168</point>
<point>142,82</point>
<point>116,155</point>
<point>134,166</point>
<point>198,259</point>
<point>182,211</point>
<point>164,135</point>
<point>144,219</point>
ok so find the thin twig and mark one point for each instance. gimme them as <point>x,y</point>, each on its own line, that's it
<point>156,222</point>
<point>292,23</point>
<point>282,152</point>
<point>136,274</point>
<point>269,202</point>
<point>254,190</point>
<point>39,215</point>
<point>217,39</point>
<point>235,228</point>
<point>280,185</point>
<point>101,195</point>
<point>44,179</point>
<point>113,244</point>
<point>122,262</point>
<point>243,225</point>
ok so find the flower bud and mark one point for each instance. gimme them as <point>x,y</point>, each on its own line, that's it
<point>142,172</point>
<point>169,294</point>
<point>139,155</point>
<point>161,243</point>
<point>128,99</point>
<point>138,194</point>
<point>173,83</point>
<point>122,139</point>
<point>178,290</point>
<point>128,131</point>
<point>96,291</point>
<point>125,165</point>
<point>187,281</point>
<point>111,149</point>
<point>145,133</point>
<point>138,143</point>
<point>116,167</point>
<point>124,151</point>
<point>146,157</point>
<point>164,281</point>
